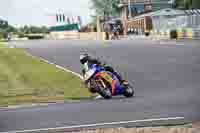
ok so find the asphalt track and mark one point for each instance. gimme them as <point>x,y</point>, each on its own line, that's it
<point>166,75</point>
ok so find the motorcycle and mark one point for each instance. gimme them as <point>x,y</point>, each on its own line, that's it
<point>106,83</point>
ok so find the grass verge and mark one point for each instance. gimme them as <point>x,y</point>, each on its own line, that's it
<point>26,80</point>
<point>1,44</point>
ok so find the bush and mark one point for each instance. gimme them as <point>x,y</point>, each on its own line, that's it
<point>21,35</point>
<point>147,33</point>
<point>34,37</point>
<point>1,36</point>
<point>173,34</point>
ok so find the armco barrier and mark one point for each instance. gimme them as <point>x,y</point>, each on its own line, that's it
<point>186,33</point>
<point>190,33</point>
<point>162,34</point>
<point>179,33</point>
<point>196,34</point>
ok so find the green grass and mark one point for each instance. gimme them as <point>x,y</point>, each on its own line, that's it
<point>1,44</point>
<point>26,80</point>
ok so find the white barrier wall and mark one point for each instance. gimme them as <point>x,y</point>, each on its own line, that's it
<point>77,35</point>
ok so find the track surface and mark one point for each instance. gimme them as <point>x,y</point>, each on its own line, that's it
<point>167,78</point>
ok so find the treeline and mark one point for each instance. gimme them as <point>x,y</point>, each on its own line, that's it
<point>22,31</point>
<point>33,29</point>
<point>187,4</point>
<point>5,29</point>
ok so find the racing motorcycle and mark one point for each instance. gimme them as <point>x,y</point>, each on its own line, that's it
<point>106,83</point>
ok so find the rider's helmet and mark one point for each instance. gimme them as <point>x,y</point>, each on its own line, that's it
<point>84,58</point>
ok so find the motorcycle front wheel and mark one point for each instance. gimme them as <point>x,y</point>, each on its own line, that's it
<point>103,91</point>
<point>128,91</point>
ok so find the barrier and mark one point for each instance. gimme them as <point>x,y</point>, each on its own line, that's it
<point>186,33</point>
<point>196,34</point>
<point>189,33</point>
<point>78,35</point>
<point>103,36</point>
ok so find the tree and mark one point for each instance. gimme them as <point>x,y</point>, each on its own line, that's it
<point>5,29</point>
<point>33,29</point>
<point>3,24</point>
<point>24,30</point>
<point>196,4</point>
<point>44,29</point>
<point>11,29</point>
<point>180,4</point>
<point>187,4</point>
<point>106,7</point>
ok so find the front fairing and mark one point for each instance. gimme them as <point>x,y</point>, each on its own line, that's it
<point>89,74</point>
<point>90,71</point>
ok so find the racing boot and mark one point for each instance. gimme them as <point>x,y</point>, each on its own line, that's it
<point>124,83</point>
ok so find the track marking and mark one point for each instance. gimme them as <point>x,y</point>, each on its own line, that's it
<point>57,66</point>
<point>96,125</point>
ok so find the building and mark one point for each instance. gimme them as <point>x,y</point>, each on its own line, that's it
<point>64,26</point>
<point>164,19</point>
<point>170,19</point>
<point>137,7</point>
<point>132,8</point>
<point>64,31</point>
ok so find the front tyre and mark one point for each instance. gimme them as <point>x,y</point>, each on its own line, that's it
<point>128,91</point>
<point>104,92</point>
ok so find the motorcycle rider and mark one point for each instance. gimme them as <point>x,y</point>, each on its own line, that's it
<point>86,61</point>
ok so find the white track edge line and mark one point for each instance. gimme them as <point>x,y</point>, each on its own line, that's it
<point>97,124</point>
<point>58,66</point>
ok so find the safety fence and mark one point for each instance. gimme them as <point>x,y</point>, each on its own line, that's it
<point>186,33</point>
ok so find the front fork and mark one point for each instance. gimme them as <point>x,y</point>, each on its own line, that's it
<point>103,84</point>
<point>92,84</point>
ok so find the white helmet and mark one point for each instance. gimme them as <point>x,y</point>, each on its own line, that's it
<point>84,58</point>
